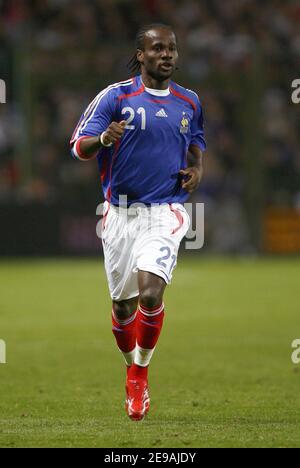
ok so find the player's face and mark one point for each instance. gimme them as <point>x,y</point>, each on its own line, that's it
<point>160,54</point>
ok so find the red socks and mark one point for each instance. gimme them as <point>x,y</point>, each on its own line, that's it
<point>125,334</point>
<point>148,327</point>
<point>137,337</point>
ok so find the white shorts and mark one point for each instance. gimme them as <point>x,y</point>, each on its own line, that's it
<point>141,238</point>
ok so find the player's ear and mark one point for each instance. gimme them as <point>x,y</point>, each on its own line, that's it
<point>140,56</point>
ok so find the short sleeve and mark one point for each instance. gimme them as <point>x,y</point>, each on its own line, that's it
<point>97,117</point>
<point>197,128</point>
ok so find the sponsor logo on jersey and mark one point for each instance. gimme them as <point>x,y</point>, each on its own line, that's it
<point>161,113</point>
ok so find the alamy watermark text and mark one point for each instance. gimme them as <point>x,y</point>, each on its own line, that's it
<point>2,92</point>
<point>296,92</point>
<point>186,216</point>
<point>2,352</point>
<point>296,353</point>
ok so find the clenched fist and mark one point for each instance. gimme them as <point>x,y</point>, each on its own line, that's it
<point>114,132</point>
<point>192,178</point>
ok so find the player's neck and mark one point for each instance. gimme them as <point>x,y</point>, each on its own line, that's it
<point>151,83</point>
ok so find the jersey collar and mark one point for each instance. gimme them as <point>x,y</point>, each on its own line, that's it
<point>157,92</point>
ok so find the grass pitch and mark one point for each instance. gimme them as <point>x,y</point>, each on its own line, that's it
<point>222,375</point>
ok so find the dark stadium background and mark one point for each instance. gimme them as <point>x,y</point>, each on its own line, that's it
<point>240,56</point>
<point>226,372</point>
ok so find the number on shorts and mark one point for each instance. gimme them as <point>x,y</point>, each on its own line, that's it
<point>173,263</point>
<point>160,261</point>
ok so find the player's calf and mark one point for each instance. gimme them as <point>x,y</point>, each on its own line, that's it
<point>124,328</point>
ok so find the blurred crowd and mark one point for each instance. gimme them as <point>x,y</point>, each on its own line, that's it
<point>241,56</point>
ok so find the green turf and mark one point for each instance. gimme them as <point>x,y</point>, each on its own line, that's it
<point>221,377</point>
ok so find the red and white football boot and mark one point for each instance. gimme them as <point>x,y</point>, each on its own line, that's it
<point>138,399</point>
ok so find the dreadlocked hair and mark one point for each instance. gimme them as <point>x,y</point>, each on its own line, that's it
<point>134,65</point>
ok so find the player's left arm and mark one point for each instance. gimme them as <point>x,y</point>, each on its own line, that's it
<point>194,173</point>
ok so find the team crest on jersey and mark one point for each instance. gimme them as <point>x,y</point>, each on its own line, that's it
<point>184,125</point>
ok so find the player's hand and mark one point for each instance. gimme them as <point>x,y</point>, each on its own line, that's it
<point>114,132</point>
<point>192,178</point>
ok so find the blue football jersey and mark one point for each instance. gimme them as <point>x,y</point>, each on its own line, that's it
<point>161,125</point>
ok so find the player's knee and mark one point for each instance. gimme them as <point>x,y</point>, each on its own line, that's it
<point>150,297</point>
<point>123,310</point>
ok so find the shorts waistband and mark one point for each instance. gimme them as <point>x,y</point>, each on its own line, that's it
<point>136,209</point>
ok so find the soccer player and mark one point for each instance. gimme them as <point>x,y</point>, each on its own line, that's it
<point>142,131</point>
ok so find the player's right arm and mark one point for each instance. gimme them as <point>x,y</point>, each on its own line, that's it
<point>90,146</point>
<point>97,128</point>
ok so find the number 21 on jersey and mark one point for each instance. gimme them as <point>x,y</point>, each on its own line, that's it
<point>141,111</point>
